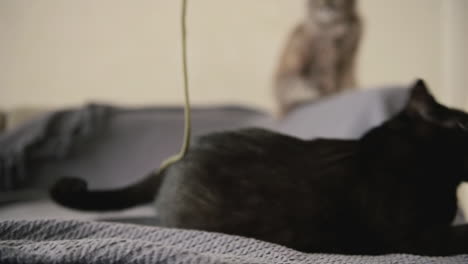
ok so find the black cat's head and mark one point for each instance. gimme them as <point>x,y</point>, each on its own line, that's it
<point>441,130</point>
<point>422,106</point>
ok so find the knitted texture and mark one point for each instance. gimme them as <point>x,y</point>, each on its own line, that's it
<point>62,241</point>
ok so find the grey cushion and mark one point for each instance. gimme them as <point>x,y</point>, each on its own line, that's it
<point>113,147</point>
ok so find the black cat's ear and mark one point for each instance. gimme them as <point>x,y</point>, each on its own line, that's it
<point>421,101</point>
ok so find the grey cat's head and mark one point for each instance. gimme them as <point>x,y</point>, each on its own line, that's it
<point>327,11</point>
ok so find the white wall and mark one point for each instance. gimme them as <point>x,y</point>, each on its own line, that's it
<point>455,56</point>
<point>403,41</point>
<point>58,52</point>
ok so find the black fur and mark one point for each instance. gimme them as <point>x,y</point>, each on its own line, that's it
<point>392,191</point>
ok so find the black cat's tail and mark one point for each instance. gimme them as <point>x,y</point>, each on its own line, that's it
<point>74,193</point>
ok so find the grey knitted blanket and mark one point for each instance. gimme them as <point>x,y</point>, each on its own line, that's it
<point>59,241</point>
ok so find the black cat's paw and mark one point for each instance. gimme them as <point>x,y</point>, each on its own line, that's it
<point>68,187</point>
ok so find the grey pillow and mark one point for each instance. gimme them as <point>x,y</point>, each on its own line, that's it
<point>112,146</point>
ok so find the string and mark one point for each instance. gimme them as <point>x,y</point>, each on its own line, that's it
<point>187,115</point>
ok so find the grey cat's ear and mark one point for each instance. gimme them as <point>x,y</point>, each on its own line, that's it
<point>351,3</point>
<point>421,101</point>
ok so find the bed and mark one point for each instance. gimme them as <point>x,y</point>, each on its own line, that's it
<point>89,141</point>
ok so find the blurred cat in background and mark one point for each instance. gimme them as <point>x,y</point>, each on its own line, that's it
<point>319,56</point>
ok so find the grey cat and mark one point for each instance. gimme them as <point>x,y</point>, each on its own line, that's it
<point>319,56</point>
<point>391,191</point>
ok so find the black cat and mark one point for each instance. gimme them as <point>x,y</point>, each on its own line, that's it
<point>392,191</point>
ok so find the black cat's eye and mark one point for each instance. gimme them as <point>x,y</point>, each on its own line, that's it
<point>462,125</point>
